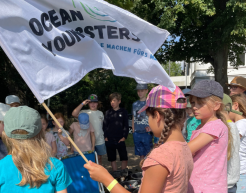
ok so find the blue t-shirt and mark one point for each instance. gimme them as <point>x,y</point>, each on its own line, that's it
<point>191,125</point>
<point>58,179</point>
<point>140,120</point>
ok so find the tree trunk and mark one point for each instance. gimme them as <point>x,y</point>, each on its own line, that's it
<point>220,67</point>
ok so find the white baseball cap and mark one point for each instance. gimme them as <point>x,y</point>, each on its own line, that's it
<point>12,99</point>
<point>3,110</point>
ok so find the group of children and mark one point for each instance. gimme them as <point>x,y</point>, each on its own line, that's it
<point>209,162</point>
<point>214,158</point>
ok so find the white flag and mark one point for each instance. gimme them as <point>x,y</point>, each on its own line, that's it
<point>54,44</point>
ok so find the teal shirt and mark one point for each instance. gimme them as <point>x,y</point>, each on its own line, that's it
<point>191,125</point>
<point>58,179</point>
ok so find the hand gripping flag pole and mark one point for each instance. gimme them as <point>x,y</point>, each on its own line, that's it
<point>64,131</point>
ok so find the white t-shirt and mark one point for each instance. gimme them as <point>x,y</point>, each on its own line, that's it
<point>96,119</point>
<point>233,165</point>
<point>241,125</point>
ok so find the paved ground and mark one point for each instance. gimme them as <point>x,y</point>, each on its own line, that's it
<point>133,161</point>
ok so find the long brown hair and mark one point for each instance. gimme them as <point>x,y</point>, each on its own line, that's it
<point>30,156</point>
<point>172,118</point>
<point>219,115</point>
<point>241,100</point>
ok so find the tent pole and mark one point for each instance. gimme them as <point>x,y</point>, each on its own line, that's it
<point>64,131</point>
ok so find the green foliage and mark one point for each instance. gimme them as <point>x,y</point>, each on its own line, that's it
<point>175,68</point>
<point>209,31</point>
<point>125,4</point>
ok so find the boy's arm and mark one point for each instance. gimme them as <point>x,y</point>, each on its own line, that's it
<point>93,140</point>
<point>76,111</point>
<point>54,148</point>
<point>133,123</point>
<point>125,125</point>
<point>105,125</point>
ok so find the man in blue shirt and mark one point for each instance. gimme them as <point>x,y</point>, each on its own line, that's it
<point>140,126</point>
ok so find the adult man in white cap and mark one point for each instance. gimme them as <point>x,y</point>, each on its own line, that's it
<point>3,109</point>
<point>12,101</point>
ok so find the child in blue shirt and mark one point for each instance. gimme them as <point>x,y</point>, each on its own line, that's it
<point>191,123</point>
<point>29,167</point>
<point>140,126</point>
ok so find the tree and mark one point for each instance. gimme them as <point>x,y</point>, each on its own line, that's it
<point>125,4</point>
<point>209,31</point>
<point>175,69</point>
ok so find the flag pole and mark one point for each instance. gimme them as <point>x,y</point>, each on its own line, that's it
<point>64,131</point>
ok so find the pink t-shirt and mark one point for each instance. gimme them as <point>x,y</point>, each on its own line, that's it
<point>49,138</point>
<point>82,137</point>
<point>210,162</point>
<point>177,158</point>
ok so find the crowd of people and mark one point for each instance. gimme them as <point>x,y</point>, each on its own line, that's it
<point>199,141</point>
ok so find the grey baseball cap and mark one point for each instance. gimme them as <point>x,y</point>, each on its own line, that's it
<point>12,99</point>
<point>93,98</point>
<point>141,86</point>
<point>206,88</point>
<point>24,118</point>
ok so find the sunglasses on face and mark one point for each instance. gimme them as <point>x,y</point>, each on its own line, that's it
<point>232,87</point>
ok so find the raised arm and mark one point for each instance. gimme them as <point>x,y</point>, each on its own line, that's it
<point>76,111</point>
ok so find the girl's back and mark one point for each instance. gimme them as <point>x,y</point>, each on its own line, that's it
<point>176,157</point>
<point>10,176</point>
<point>210,162</point>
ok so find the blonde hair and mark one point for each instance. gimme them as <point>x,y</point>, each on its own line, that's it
<point>30,156</point>
<point>241,100</point>
<point>220,116</point>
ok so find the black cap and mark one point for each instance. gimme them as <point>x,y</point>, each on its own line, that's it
<point>206,88</point>
<point>142,87</point>
<point>93,98</point>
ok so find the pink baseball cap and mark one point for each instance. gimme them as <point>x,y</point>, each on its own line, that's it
<point>161,97</point>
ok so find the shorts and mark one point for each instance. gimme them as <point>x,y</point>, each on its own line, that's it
<point>233,189</point>
<point>111,147</point>
<point>241,184</point>
<point>100,149</point>
<point>143,143</point>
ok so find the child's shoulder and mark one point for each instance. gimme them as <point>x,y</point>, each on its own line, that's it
<point>216,123</point>
<point>75,124</point>
<point>167,148</point>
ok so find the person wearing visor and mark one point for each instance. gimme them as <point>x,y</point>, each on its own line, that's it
<point>233,164</point>
<point>12,101</point>
<point>237,85</point>
<point>83,133</point>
